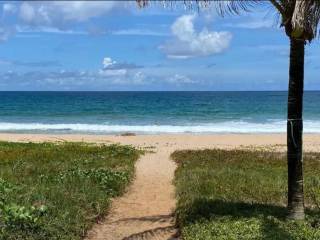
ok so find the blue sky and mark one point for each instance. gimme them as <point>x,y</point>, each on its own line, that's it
<point>114,45</point>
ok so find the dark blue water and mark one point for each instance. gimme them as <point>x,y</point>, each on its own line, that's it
<point>150,112</point>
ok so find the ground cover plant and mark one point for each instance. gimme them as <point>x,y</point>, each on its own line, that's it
<point>58,190</point>
<point>242,194</point>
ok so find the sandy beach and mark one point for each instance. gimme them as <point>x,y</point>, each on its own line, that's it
<point>146,211</point>
<point>174,141</point>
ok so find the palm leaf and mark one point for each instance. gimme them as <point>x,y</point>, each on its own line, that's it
<point>222,7</point>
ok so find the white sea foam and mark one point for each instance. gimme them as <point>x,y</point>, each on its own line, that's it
<point>220,127</point>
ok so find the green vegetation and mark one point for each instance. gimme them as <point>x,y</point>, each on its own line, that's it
<point>241,195</point>
<point>57,191</point>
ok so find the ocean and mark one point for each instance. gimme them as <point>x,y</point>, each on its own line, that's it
<point>152,112</point>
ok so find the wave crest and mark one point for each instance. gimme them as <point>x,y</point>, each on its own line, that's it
<point>221,127</point>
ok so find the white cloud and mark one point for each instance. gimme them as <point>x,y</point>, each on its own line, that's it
<point>253,24</point>
<point>183,27</point>
<point>111,68</point>
<point>189,43</point>
<point>142,32</point>
<point>180,79</point>
<point>9,8</point>
<point>83,10</point>
<point>53,16</point>
<point>44,29</point>
<point>95,80</point>
<point>107,62</point>
<point>113,72</point>
<point>57,12</point>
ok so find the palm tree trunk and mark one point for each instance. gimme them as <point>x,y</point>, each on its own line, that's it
<point>294,130</point>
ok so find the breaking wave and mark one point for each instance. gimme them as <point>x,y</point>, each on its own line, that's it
<point>219,127</point>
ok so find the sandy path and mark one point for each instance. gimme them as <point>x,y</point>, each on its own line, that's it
<point>145,212</point>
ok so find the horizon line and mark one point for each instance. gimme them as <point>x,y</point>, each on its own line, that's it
<point>2,91</point>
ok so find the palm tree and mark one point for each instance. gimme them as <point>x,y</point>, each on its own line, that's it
<point>300,19</point>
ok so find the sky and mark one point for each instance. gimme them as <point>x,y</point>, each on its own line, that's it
<point>116,46</point>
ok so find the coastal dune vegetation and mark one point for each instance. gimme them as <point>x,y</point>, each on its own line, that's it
<point>59,190</point>
<point>242,194</point>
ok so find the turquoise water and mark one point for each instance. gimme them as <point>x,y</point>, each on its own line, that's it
<point>151,112</point>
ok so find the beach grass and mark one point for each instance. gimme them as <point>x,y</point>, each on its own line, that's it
<point>59,190</point>
<point>241,195</point>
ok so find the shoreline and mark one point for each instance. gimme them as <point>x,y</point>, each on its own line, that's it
<point>178,141</point>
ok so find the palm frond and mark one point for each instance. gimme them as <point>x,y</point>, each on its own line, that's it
<point>222,7</point>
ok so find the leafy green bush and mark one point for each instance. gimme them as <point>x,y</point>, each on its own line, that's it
<point>5,187</point>
<point>20,217</point>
